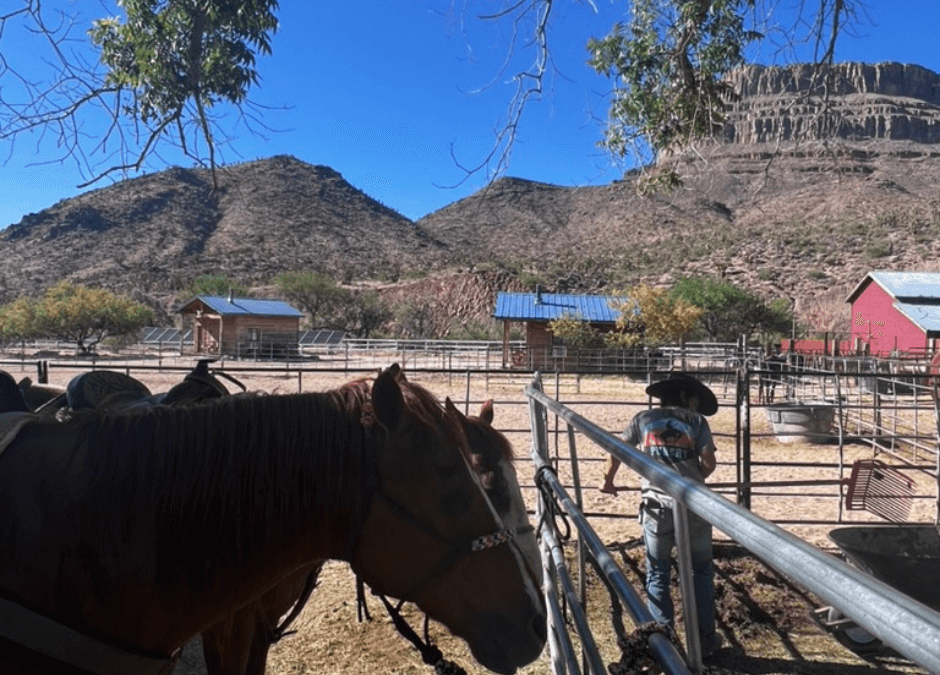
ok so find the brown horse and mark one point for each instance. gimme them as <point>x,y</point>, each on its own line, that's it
<point>240,644</point>
<point>142,528</point>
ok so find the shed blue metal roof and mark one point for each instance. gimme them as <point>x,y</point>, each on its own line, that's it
<point>903,286</point>
<point>549,306</point>
<point>246,306</point>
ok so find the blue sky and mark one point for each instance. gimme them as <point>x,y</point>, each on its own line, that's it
<point>389,93</point>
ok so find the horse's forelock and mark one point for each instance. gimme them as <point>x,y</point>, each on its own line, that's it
<point>429,410</point>
<point>498,441</point>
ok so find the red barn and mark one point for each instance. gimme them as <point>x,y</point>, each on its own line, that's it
<point>896,312</point>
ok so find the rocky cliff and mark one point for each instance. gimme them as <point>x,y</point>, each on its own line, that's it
<point>850,101</point>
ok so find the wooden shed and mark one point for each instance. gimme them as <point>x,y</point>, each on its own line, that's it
<point>536,310</point>
<point>242,327</point>
<point>894,312</point>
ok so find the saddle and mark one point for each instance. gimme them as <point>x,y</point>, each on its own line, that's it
<point>112,390</point>
<point>103,390</point>
<point>12,398</point>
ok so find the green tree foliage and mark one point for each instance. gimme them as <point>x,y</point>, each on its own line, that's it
<point>729,312</point>
<point>215,284</point>
<point>415,319</point>
<point>77,314</point>
<point>18,320</point>
<point>176,59</point>
<point>668,64</point>
<point>316,294</point>
<point>573,330</point>
<point>167,64</point>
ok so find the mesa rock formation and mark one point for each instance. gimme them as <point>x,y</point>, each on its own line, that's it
<point>849,101</point>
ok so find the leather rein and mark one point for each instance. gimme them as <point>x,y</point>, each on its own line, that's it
<point>458,549</point>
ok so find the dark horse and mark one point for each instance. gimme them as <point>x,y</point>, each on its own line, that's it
<point>142,528</point>
<point>239,645</point>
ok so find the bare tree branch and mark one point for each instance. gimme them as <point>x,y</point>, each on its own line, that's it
<point>528,83</point>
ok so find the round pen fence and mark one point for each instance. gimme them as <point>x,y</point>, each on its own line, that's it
<point>896,420</point>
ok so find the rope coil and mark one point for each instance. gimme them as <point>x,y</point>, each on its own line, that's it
<point>553,509</point>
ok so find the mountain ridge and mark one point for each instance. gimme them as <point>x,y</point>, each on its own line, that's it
<point>801,216</point>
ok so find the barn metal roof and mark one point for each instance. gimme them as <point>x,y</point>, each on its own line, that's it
<point>903,286</point>
<point>246,306</point>
<point>925,316</point>
<point>547,306</point>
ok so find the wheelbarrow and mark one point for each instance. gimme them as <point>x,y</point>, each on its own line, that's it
<point>906,557</point>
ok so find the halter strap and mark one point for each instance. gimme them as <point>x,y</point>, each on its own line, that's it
<point>458,549</point>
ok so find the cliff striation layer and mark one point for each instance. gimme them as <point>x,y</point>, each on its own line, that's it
<point>849,101</point>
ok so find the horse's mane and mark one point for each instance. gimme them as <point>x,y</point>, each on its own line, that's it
<point>216,478</point>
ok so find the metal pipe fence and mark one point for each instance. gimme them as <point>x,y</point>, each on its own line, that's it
<point>901,427</point>
<point>906,625</point>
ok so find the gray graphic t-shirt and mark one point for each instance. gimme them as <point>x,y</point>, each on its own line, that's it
<point>674,436</point>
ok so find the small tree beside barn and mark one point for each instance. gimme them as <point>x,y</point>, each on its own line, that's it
<point>242,327</point>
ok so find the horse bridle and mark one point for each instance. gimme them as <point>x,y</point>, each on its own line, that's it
<point>458,550</point>
<point>430,653</point>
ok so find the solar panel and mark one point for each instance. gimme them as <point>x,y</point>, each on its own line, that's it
<point>155,335</point>
<point>321,337</point>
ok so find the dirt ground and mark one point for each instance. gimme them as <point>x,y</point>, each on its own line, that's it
<point>766,620</point>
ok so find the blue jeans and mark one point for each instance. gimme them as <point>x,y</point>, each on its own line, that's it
<point>659,538</point>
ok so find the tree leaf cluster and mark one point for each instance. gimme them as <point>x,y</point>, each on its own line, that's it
<point>162,69</point>
<point>72,313</point>
<point>728,311</point>
<point>668,64</point>
<point>170,51</point>
<point>573,330</point>
<point>654,316</point>
<point>329,305</point>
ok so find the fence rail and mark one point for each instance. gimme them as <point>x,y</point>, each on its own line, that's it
<point>901,428</point>
<point>906,625</point>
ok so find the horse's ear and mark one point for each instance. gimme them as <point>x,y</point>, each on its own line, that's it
<point>453,410</point>
<point>486,411</point>
<point>388,403</point>
<point>396,371</point>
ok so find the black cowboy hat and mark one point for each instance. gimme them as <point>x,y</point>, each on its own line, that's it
<point>708,404</point>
